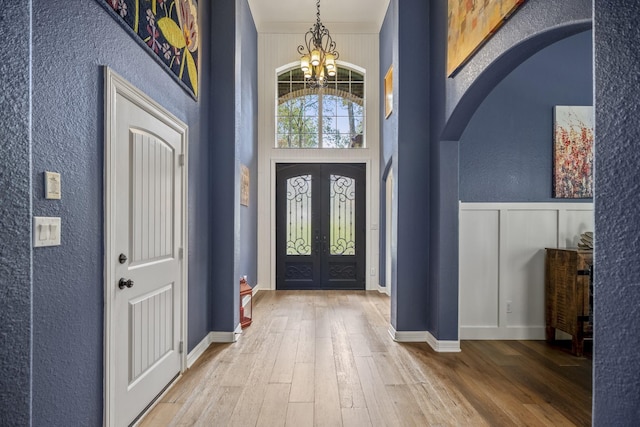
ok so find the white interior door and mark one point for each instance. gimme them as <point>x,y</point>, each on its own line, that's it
<point>146,256</point>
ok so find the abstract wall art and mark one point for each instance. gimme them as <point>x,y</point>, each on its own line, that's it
<point>470,24</point>
<point>168,30</point>
<point>573,152</point>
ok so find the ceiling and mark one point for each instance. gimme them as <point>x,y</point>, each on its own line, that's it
<point>340,16</point>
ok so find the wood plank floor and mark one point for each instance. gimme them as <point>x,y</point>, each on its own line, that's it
<point>324,358</point>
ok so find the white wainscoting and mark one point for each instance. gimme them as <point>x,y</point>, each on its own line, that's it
<point>501,276</point>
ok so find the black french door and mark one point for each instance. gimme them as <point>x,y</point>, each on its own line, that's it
<point>320,226</point>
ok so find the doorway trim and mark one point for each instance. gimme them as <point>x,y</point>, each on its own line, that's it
<point>369,235</point>
<point>116,85</point>
<point>320,224</point>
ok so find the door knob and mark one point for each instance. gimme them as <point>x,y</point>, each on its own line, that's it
<point>123,283</point>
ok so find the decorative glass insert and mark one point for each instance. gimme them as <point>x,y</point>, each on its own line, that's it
<point>342,216</point>
<point>299,215</point>
<point>329,117</point>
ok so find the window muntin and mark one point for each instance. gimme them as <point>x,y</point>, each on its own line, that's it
<point>329,117</point>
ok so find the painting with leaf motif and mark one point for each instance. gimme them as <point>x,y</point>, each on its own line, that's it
<point>470,24</point>
<point>168,30</point>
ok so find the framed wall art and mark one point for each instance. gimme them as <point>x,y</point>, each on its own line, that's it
<point>471,23</point>
<point>388,93</point>
<point>244,185</point>
<point>167,30</point>
<point>573,152</point>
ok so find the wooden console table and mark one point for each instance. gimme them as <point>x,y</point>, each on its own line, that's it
<point>567,295</point>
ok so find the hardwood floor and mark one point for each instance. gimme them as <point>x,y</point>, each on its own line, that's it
<point>325,358</point>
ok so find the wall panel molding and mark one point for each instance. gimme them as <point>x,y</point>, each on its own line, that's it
<point>501,274</point>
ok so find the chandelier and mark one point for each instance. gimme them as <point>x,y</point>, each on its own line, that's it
<point>319,54</point>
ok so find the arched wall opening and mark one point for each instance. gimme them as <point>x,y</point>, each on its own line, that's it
<point>493,74</point>
<point>507,212</point>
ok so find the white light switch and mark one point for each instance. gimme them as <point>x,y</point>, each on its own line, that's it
<point>46,231</point>
<point>52,185</point>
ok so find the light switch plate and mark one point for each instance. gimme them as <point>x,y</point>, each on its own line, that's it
<point>52,186</point>
<point>46,231</point>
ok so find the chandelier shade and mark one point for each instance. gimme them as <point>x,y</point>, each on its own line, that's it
<point>318,53</point>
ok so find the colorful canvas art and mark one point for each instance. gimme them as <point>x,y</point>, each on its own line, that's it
<point>471,23</point>
<point>573,152</point>
<point>168,29</point>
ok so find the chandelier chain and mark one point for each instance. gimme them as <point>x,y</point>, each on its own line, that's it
<point>318,53</point>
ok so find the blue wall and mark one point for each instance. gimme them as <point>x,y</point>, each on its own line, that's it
<point>15,218</point>
<point>224,226</point>
<point>234,136</point>
<point>536,24</point>
<point>68,138</point>
<point>443,182</point>
<point>388,132</point>
<point>616,393</point>
<point>247,140</point>
<point>200,204</point>
<point>506,151</point>
<point>411,154</point>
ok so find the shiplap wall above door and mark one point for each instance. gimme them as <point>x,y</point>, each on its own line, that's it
<point>276,51</point>
<point>501,275</point>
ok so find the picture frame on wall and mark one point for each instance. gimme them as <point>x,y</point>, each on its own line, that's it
<point>244,185</point>
<point>168,31</point>
<point>573,152</point>
<point>388,93</point>
<point>470,26</point>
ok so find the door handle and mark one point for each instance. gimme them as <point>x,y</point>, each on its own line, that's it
<point>123,283</point>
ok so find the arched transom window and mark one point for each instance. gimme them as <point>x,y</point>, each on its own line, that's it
<point>328,117</point>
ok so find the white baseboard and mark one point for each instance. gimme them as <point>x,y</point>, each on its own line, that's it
<point>440,346</point>
<point>211,337</point>
<point>223,337</point>
<point>199,350</point>
<point>506,333</point>
<point>384,290</point>
<point>407,336</point>
<point>443,346</point>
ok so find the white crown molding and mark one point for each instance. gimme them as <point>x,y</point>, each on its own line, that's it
<point>301,28</point>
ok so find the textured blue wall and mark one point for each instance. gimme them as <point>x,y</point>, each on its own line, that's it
<point>497,57</point>
<point>68,138</point>
<point>388,132</point>
<point>225,191</point>
<point>15,218</point>
<point>506,151</point>
<point>443,244</point>
<point>616,393</point>
<point>411,155</point>
<point>200,204</point>
<point>247,140</point>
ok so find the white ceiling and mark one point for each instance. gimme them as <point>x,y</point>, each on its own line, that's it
<point>340,16</point>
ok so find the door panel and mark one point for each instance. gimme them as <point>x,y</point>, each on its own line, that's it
<point>148,200</point>
<point>320,226</point>
<point>152,201</point>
